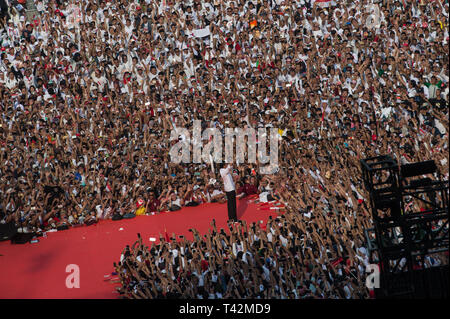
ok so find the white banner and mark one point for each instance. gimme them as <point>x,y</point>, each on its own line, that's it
<point>325,3</point>
<point>201,33</point>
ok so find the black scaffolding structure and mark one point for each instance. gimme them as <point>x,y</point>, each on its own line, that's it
<point>409,205</point>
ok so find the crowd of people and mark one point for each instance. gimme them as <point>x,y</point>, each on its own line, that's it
<point>90,91</point>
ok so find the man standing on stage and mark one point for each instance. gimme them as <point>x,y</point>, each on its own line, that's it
<point>230,191</point>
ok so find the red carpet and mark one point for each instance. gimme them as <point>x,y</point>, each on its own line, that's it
<point>39,270</point>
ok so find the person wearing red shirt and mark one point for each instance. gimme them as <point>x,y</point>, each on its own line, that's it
<point>153,203</point>
<point>240,190</point>
<point>251,186</point>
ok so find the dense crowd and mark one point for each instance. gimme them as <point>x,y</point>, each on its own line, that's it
<point>90,91</point>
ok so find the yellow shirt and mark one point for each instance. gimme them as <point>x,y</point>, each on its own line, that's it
<point>140,211</point>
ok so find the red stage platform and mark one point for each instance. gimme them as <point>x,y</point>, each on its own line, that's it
<point>39,270</point>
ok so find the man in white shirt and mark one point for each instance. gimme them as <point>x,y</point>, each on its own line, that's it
<point>230,190</point>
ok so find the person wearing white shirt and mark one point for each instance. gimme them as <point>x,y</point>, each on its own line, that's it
<point>230,191</point>
<point>10,81</point>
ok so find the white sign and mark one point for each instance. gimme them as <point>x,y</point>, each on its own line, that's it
<point>201,33</point>
<point>325,3</point>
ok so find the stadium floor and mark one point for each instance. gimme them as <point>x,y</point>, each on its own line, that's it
<point>31,271</point>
